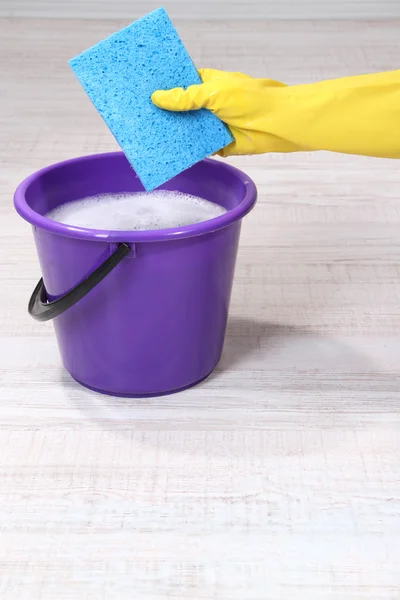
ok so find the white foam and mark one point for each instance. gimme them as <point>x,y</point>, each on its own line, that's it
<point>136,211</point>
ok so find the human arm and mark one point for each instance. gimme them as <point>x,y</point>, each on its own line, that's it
<point>353,115</point>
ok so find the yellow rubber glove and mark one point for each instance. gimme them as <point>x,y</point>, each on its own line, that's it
<point>354,115</point>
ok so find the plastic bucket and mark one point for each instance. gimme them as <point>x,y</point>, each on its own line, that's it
<point>136,313</point>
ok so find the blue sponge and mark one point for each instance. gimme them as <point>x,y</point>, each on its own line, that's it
<point>120,74</point>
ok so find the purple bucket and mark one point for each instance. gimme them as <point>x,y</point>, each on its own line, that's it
<point>136,313</point>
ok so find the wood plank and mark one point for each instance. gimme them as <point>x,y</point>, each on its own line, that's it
<point>207,9</point>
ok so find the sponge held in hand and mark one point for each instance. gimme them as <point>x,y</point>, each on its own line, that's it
<point>120,75</point>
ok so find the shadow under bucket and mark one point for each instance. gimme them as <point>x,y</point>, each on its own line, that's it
<point>136,313</point>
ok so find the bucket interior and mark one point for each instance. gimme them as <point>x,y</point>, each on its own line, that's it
<point>112,173</point>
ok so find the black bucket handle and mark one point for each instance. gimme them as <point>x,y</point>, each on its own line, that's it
<point>42,310</point>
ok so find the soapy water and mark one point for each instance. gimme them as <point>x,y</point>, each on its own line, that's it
<point>136,211</point>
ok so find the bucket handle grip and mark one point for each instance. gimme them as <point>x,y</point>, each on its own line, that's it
<point>41,309</point>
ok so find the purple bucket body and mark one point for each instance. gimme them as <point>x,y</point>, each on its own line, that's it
<point>155,324</point>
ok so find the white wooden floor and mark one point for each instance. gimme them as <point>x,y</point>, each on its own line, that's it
<point>278,478</point>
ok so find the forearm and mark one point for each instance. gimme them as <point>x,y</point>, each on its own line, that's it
<point>354,115</point>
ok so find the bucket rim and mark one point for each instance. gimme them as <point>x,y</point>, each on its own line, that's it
<point>132,236</point>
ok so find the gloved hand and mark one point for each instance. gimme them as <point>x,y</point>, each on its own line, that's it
<point>354,115</point>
